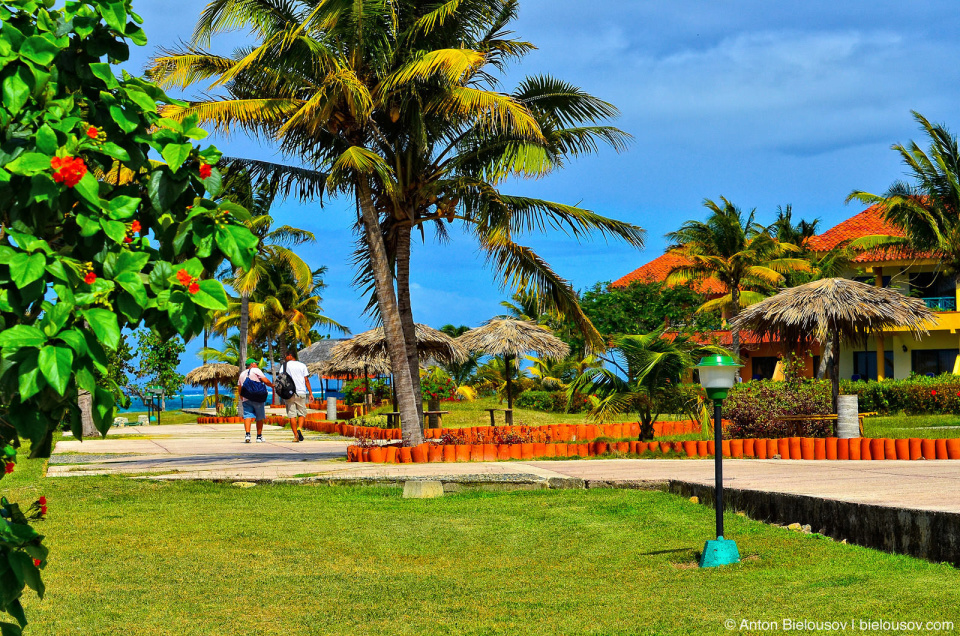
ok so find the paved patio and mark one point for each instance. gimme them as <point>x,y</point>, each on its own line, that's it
<point>217,451</point>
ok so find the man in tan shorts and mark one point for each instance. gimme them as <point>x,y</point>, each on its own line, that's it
<point>297,403</point>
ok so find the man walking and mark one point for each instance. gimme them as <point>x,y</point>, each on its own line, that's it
<point>297,403</point>
<point>252,402</point>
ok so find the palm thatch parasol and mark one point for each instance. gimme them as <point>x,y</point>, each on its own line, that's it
<point>215,375</point>
<point>342,367</point>
<point>372,345</point>
<point>835,308</point>
<point>509,338</point>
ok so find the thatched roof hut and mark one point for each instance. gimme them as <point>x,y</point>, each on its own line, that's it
<point>319,351</point>
<point>509,337</point>
<point>372,345</point>
<point>215,375</point>
<point>831,310</point>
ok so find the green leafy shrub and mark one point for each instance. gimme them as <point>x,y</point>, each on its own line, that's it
<point>96,238</point>
<point>552,401</point>
<point>914,395</point>
<point>437,386</point>
<point>354,390</point>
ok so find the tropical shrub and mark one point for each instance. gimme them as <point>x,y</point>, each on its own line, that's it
<point>552,401</point>
<point>753,409</point>
<point>354,390</point>
<point>95,237</point>
<point>437,385</point>
<point>914,395</point>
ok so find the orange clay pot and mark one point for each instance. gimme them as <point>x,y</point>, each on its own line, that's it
<point>876,449</point>
<point>831,446</point>
<point>941,445</point>
<point>749,448</point>
<point>854,446</point>
<point>889,449</point>
<point>711,447</point>
<point>449,453</point>
<point>583,450</point>
<point>378,454</point>
<point>760,448</point>
<point>665,447</point>
<point>352,453</point>
<point>773,448</point>
<point>434,453</point>
<point>526,451</point>
<point>539,449</point>
<point>581,433</point>
<point>702,449</point>
<point>419,454</point>
<point>406,455</point>
<point>796,448</point>
<point>725,448</point>
<point>690,448</point>
<point>476,452</point>
<point>392,453</point>
<point>953,448</point>
<point>783,447</point>
<point>915,448</point>
<point>902,448</point>
<point>928,449</point>
<point>463,452</point>
<point>736,448</point>
<point>514,451</point>
<point>489,452</point>
<point>866,448</point>
<point>819,448</point>
<point>623,447</point>
<point>599,448</point>
<point>503,452</point>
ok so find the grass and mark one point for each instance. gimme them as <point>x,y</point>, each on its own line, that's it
<point>944,426</point>
<point>142,557</point>
<point>166,417</point>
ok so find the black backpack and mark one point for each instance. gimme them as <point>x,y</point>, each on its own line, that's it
<point>254,390</point>
<point>286,388</point>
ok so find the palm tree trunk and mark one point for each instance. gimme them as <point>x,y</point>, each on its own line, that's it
<point>244,327</point>
<point>506,368</point>
<point>390,316</point>
<point>835,370</point>
<point>406,311</point>
<point>735,333</point>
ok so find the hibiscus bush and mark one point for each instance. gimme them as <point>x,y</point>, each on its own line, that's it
<point>915,395</point>
<point>95,237</point>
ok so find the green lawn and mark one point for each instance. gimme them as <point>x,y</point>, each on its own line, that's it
<point>903,426</point>
<point>167,417</point>
<point>136,557</point>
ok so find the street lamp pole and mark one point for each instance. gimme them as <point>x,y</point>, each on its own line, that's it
<point>717,376</point>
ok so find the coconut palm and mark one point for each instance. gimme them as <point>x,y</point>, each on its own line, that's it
<point>735,251</point>
<point>927,210</point>
<point>643,373</point>
<point>397,103</point>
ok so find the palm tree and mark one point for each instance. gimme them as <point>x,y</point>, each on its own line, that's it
<point>397,105</point>
<point>642,373</point>
<point>928,209</point>
<point>737,252</point>
<point>463,373</point>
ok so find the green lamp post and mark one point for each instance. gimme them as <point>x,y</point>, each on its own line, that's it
<point>717,376</point>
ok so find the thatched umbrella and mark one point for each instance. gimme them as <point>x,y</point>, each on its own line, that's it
<point>837,309</point>
<point>372,345</point>
<point>215,375</point>
<point>509,338</point>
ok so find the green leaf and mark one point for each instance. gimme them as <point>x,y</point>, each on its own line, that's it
<point>56,364</point>
<point>86,380</point>
<point>164,190</point>
<point>29,163</point>
<point>114,229</point>
<point>39,49</point>
<point>25,269</point>
<point>237,243</point>
<point>116,152</point>
<point>176,154</point>
<point>103,72</point>
<point>89,189</point>
<point>103,408</point>
<point>9,629</point>
<point>95,351</point>
<point>125,118</point>
<point>47,141</point>
<point>104,325</point>
<point>141,99</point>
<point>31,576</point>
<point>133,284</point>
<point>213,183</point>
<point>74,339</point>
<point>130,262</point>
<point>211,295</point>
<point>114,14</point>
<point>29,380</point>
<point>57,317</point>
<point>88,226</point>
<point>129,307</point>
<point>21,336</point>
<point>123,207</point>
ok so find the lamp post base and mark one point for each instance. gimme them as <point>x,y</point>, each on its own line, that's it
<point>719,552</point>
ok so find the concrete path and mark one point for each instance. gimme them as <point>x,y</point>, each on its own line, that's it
<point>218,452</point>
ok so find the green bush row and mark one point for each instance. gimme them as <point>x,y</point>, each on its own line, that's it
<point>915,395</point>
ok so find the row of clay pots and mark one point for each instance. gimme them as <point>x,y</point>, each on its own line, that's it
<point>830,448</point>
<point>564,432</point>
<point>270,419</point>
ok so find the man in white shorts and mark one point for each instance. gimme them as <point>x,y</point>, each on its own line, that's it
<point>253,410</point>
<point>297,403</point>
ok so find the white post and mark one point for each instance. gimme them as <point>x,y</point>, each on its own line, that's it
<point>331,409</point>
<point>848,417</point>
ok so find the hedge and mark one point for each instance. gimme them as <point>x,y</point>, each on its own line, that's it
<point>552,402</point>
<point>754,409</point>
<point>913,396</point>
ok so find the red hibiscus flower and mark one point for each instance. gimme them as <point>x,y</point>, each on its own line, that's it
<point>68,170</point>
<point>127,239</point>
<point>933,392</point>
<point>193,288</point>
<point>90,278</point>
<point>43,510</point>
<point>42,500</point>
<point>205,171</point>
<point>8,468</point>
<point>92,132</point>
<point>184,277</point>
<point>135,227</point>
<point>36,563</point>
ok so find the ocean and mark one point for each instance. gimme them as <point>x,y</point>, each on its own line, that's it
<point>191,399</point>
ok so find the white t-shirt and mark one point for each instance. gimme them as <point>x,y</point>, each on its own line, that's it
<point>298,373</point>
<point>252,372</point>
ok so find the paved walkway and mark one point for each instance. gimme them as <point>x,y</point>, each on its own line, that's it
<point>217,451</point>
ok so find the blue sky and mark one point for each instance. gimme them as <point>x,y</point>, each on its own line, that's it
<point>764,103</point>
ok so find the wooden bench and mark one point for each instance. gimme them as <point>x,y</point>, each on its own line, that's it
<point>438,414</point>
<point>507,416</point>
<point>393,419</point>
<point>821,418</point>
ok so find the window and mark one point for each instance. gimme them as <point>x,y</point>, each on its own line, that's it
<point>872,280</point>
<point>934,361</point>
<point>865,364</point>
<point>764,366</point>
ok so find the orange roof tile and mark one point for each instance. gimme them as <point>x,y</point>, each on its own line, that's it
<point>870,222</point>
<point>657,270</point>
